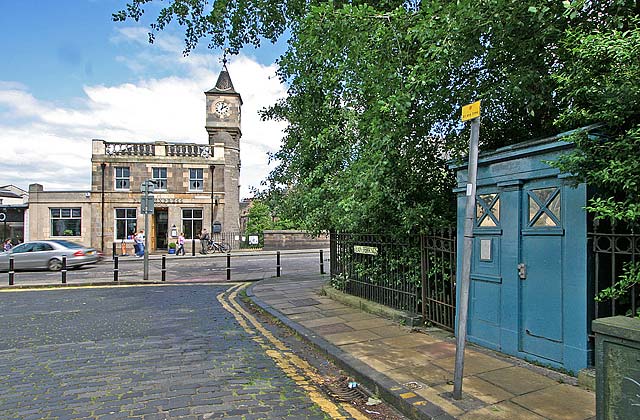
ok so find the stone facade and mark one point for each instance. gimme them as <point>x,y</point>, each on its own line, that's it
<point>197,185</point>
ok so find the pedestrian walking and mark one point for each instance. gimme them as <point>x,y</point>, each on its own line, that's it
<point>139,241</point>
<point>7,245</point>
<point>180,244</point>
<point>204,240</point>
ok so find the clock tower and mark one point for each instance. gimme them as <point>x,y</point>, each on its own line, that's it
<point>223,128</point>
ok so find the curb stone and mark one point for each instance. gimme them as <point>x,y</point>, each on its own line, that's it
<point>377,382</point>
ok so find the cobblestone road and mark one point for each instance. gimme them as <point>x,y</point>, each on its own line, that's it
<point>153,352</point>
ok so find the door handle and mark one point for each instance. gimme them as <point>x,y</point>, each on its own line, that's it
<point>522,271</point>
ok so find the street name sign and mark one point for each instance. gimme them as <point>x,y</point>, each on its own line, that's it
<point>471,111</point>
<point>367,250</point>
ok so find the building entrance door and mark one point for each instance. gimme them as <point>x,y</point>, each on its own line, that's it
<point>541,271</point>
<point>161,222</point>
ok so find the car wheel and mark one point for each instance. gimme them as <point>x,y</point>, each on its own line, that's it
<point>54,264</point>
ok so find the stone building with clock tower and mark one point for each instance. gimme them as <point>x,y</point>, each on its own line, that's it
<point>223,127</point>
<point>196,186</point>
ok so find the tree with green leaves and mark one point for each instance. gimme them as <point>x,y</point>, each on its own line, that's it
<point>375,91</point>
<point>600,85</point>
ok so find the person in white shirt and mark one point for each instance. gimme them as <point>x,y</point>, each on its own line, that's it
<point>139,240</point>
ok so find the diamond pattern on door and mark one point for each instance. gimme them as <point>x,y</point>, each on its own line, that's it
<point>544,207</point>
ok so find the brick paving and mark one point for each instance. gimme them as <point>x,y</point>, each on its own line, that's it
<point>154,352</point>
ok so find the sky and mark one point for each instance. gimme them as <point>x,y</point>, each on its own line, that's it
<point>69,74</point>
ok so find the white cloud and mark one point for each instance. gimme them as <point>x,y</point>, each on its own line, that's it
<point>50,144</point>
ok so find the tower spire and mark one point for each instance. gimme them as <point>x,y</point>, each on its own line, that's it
<point>223,84</point>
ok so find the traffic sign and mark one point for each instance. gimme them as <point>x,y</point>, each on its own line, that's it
<point>471,111</point>
<point>148,186</point>
<point>147,204</point>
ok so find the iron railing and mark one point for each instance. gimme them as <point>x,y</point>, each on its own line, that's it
<point>414,274</point>
<point>612,249</point>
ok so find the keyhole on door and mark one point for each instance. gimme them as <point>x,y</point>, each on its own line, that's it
<point>522,271</point>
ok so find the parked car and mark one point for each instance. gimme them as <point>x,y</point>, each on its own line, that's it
<point>48,255</point>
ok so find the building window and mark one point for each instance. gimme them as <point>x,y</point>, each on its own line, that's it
<point>160,178</point>
<point>488,210</point>
<point>66,221</point>
<point>544,207</point>
<point>196,180</point>
<point>191,223</point>
<point>122,178</point>
<point>126,225</point>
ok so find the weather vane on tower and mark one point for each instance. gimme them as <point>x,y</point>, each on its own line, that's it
<point>224,60</point>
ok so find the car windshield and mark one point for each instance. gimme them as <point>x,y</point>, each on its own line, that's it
<point>68,244</point>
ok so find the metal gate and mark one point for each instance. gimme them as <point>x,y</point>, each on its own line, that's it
<point>439,278</point>
<point>415,273</point>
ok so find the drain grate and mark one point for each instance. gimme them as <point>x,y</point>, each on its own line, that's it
<point>412,385</point>
<point>340,391</point>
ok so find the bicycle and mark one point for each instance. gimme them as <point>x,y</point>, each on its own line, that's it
<point>218,247</point>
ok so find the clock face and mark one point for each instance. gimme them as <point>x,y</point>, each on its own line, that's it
<point>222,108</point>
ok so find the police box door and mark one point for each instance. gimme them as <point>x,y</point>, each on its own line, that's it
<point>540,270</point>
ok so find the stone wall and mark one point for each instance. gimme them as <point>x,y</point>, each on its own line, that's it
<point>275,240</point>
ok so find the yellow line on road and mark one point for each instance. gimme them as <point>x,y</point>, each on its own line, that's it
<point>293,366</point>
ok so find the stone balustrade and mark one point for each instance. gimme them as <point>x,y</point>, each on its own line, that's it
<point>159,149</point>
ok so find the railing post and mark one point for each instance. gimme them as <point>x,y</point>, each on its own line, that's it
<point>115,268</point>
<point>193,247</point>
<point>228,266</point>
<point>64,269</point>
<point>11,272</point>
<point>321,263</point>
<point>164,268</point>
<point>278,264</point>
<point>423,276</point>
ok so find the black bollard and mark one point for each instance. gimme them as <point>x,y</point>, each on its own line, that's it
<point>113,250</point>
<point>228,266</point>
<point>321,263</point>
<point>11,272</point>
<point>193,247</point>
<point>115,268</point>
<point>64,269</point>
<point>164,268</point>
<point>278,264</point>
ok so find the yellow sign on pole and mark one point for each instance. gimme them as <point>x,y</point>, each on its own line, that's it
<point>471,111</point>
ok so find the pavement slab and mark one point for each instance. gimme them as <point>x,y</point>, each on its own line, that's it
<point>503,411</point>
<point>413,368</point>
<point>518,380</point>
<point>474,363</point>
<point>560,402</point>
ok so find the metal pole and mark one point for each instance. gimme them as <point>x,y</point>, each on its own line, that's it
<point>103,165</point>
<point>64,269</point>
<point>145,274</point>
<point>164,268</point>
<point>228,266</point>
<point>321,263</point>
<point>193,245</point>
<point>11,271</point>
<point>115,268</point>
<point>278,264</point>
<point>463,307</point>
<point>114,250</point>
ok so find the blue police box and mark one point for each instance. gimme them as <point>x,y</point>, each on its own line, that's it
<point>529,287</point>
